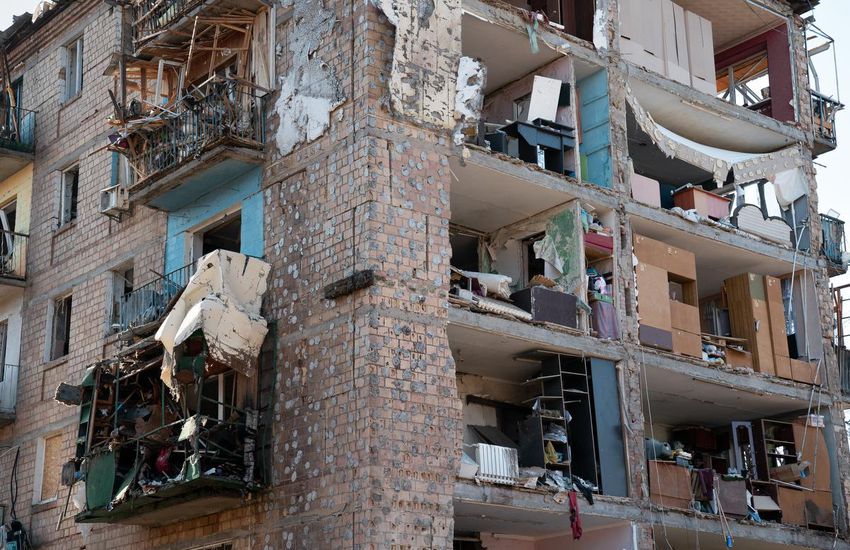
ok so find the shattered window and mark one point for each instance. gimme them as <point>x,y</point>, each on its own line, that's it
<point>59,344</point>
<point>68,197</point>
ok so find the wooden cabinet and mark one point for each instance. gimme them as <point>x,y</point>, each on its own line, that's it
<point>748,316</point>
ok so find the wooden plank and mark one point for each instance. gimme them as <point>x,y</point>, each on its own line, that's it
<point>815,452</point>
<point>776,313</point>
<point>653,305</point>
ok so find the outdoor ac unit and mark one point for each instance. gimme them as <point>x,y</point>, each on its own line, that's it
<point>114,200</point>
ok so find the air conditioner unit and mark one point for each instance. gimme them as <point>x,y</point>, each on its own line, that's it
<point>114,200</point>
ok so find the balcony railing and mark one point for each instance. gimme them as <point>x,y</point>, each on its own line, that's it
<point>229,113</point>
<point>823,116</point>
<point>833,238</point>
<point>17,129</point>
<point>148,303</point>
<point>8,388</point>
<point>13,255</point>
<point>152,17</point>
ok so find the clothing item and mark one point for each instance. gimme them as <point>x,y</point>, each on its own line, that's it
<point>575,518</point>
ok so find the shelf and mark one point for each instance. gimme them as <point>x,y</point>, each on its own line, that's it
<point>547,397</point>
<point>558,465</point>
<point>581,392</point>
<point>778,455</point>
<point>539,378</point>
<point>544,417</point>
<point>779,441</point>
<point>555,441</point>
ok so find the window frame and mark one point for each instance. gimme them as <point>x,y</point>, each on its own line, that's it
<point>54,327</point>
<point>74,51</point>
<point>69,197</point>
<point>41,467</point>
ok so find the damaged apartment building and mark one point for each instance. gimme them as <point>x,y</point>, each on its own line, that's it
<point>470,274</point>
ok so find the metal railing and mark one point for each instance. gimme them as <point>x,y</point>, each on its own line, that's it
<point>833,238</point>
<point>823,116</point>
<point>13,255</point>
<point>152,17</point>
<point>229,113</point>
<point>17,129</point>
<point>149,302</point>
<point>8,388</point>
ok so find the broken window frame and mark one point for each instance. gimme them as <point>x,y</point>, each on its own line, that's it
<point>73,68</point>
<point>60,328</point>
<point>69,189</point>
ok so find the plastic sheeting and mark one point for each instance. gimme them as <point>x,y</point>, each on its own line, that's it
<point>222,300</point>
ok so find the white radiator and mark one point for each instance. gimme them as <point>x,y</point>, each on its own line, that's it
<point>497,464</point>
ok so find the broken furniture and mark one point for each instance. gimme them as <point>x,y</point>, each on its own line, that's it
<point>667,297</point>
<point>646,190</point>
<point>707,204</point>
<point>757,313</point>
<point>586,394</point>
<point>540,142</point>
<point>669,484</point>
<point>548,306</point>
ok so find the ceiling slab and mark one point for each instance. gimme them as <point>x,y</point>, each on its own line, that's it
<point>715,260</point>
<point>684,539</point>
<point>732,21</point>
<point>506,54</point>
<point>523,522</point>
<point>486,199</point>
<point>704,126</point>
<point>677,399</point>
<point>491,355</point>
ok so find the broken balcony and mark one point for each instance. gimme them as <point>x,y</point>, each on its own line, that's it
<point>575,17</point>
<point>833,245</point>
<point>13,258</point>
<point>173,426</point>
<point>8,393</point>
<point>542,107</point>
<point>159,26</point>
<point>712,448</point>
<point>17,139</point>
<point>202,140</point>
<point>147,305</point>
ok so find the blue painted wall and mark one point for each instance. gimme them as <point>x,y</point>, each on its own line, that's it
<point>595,128</point>
<point>242,190</point>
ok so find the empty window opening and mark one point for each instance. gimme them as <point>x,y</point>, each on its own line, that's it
<point>68,197</point>
<point>60,336</point>
<point>465,254</point>
<point>7,223</point>
<point>226,235</point>
<point>122,286</point>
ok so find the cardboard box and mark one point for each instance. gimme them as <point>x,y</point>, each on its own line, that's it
<point>646,190</point>
<point>782,366</point>
<point>686,343</point>
<point>791,472</point>
<point>684,317</point>
<point>653,305</point>
<point>741,359</point>
<point>705,203</point>
<point>804,371</point>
